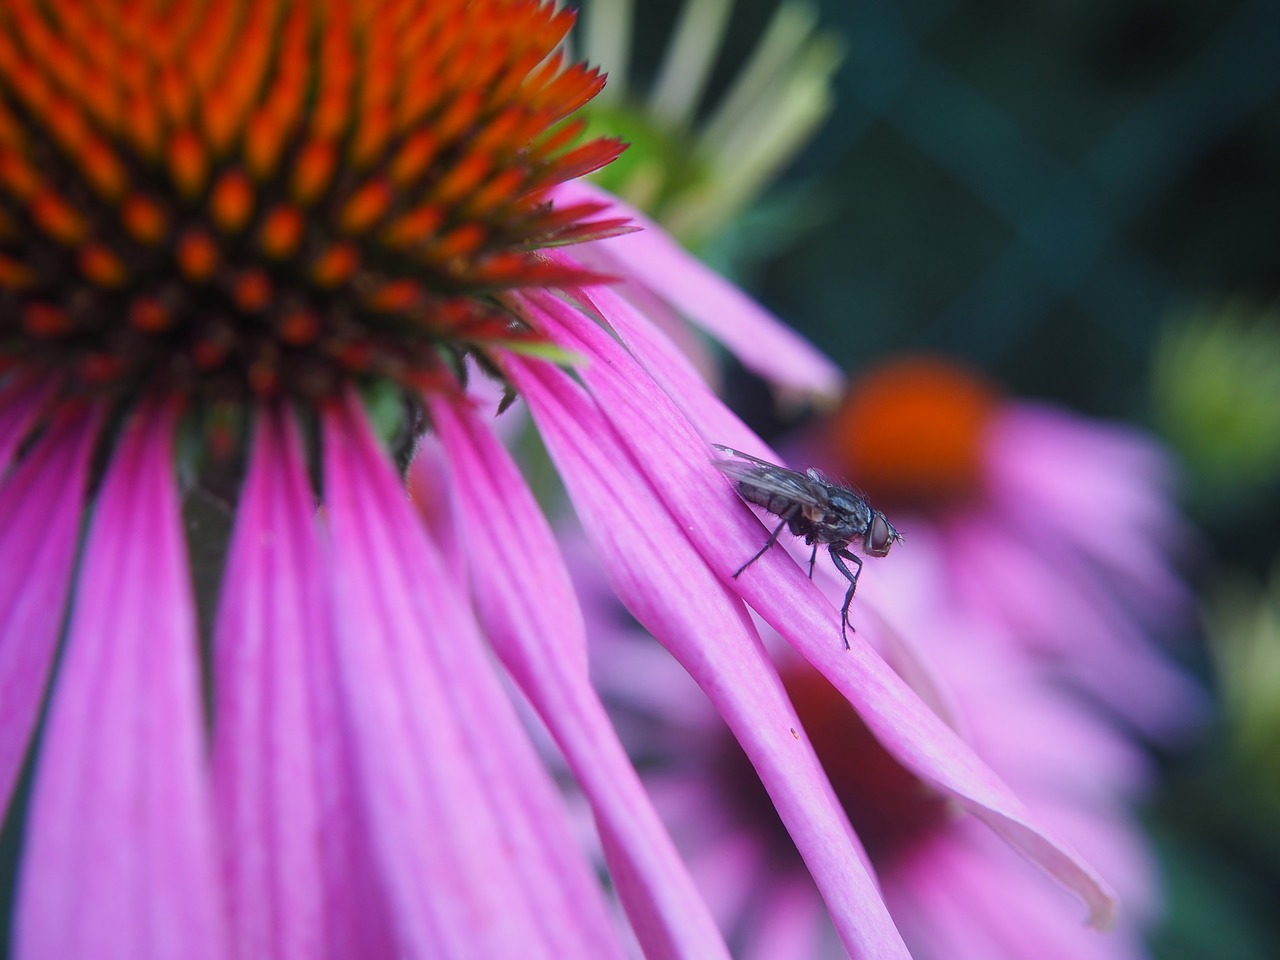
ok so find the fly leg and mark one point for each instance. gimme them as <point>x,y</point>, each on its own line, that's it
<point>773,538</point>
<point>838,556</point>
<point>812,557</point>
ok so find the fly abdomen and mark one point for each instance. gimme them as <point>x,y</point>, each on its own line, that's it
<point>773,502</point>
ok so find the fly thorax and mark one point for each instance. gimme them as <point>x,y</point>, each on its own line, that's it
<point>846,518</point>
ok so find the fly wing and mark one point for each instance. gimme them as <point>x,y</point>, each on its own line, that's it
<point>744,456</point>
<point>768,477</point>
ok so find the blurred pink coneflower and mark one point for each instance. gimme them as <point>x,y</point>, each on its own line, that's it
<point>1060,530</point>
<point>943,454</point>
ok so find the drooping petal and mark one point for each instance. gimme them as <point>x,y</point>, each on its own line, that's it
<point>667,586</point>
<point>675,460</point>
<point>41,504</point>
<point>676,376</point>
<point>966,900</point>
<point>297,885</point>
<point>528,608</point>
<point>119,859</point>
<point>678,379</point>
<point>757,338</point>
<point>462,818</point>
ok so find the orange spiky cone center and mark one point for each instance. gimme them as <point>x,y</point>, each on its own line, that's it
<point>911,434</point>
<point>271,197</point>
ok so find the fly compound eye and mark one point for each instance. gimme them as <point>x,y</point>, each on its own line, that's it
<point>879,537</point>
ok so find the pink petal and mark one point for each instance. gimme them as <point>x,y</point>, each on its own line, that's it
<point>678,379</point>
<point>280,772</point>
<point>119,859</point>
<point>20,402</point>
<point>732,865</point>
<point>1107,832</point>
<point>968,901</point>
<point>531,615</point>
<point>789,923</point>
<point>661,358</point>
<point>1098,488</point>
<point>665,366</point>
<point>1059,611</point>
<point>1089,758</point>
<point>429,489</point>
<point>694,347</point>
<point>41,504</point>
<point>476,853</point>
<point>662,444</point>
<point>667,586</point>
<point>753,335</point>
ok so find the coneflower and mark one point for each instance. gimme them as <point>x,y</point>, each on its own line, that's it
<point>1058,529</point>
<point>227,230</point>
<point>1043,658</point>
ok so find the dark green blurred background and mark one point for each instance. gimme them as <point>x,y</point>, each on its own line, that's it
<point>1041,188</point>
<point>1032,186</point>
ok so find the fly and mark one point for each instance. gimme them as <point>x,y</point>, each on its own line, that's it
<point>812,507</point>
